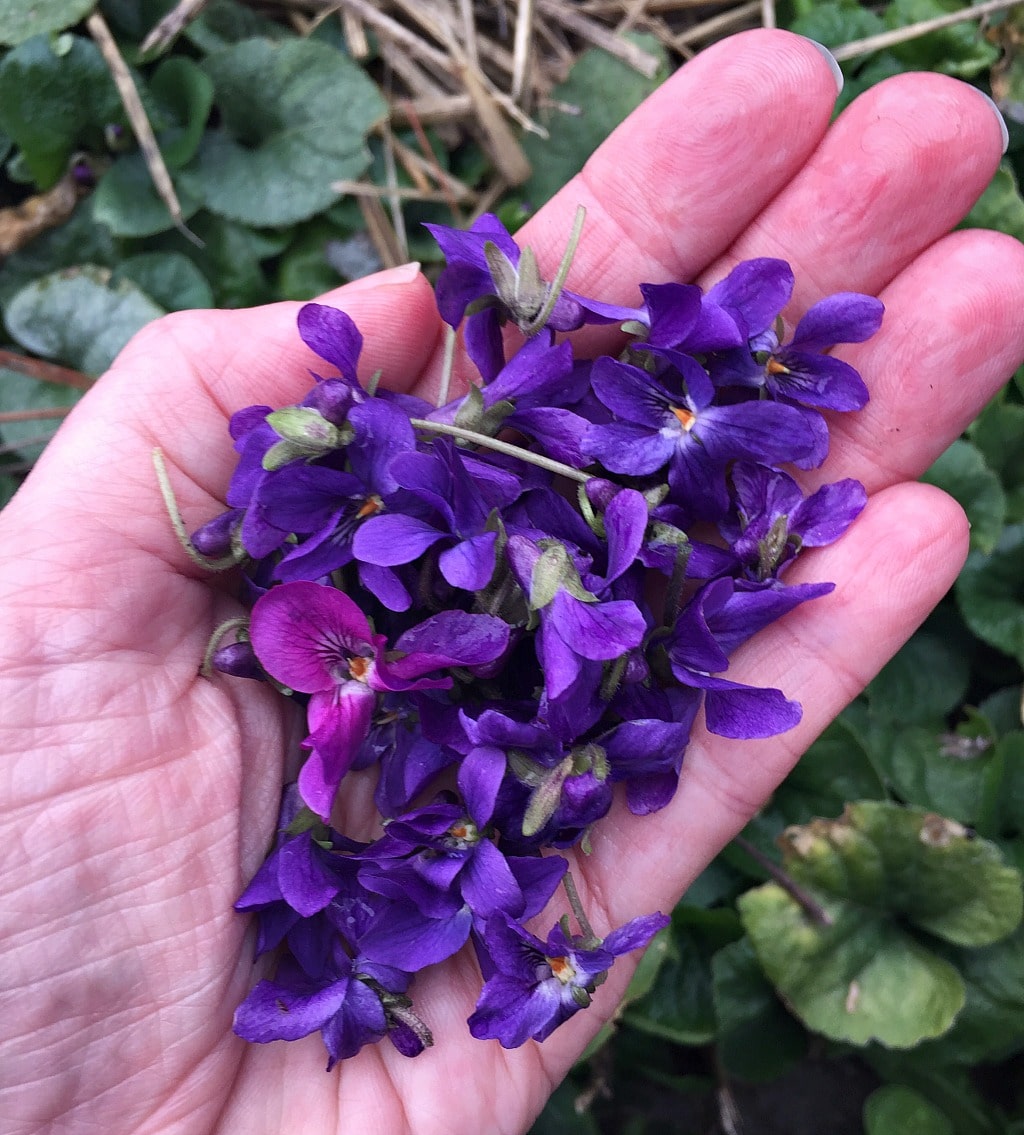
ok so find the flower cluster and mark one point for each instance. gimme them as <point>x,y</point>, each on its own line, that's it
<point>462,599</point>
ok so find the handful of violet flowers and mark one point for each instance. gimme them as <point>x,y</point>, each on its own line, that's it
<point>460,597</point>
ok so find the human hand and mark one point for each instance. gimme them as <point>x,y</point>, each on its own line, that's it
<point>138,798</point>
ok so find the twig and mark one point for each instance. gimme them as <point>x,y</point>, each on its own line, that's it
<point>394,199</point>
<point>355,35</point>
<point>722,22</point>
<point>469,37</point>
<point>140,123</point>
<point>602,37</point>
<point>811,907</point>
<point>900,35</point>
<point>166,29</point>
<point>521,48</point>
<point>368,189</point>
<point>21,223</point>
<point>768,13</point>
<point>44,372</point>
<point>489,198</point>
<point>33,415</point>
<point>380,231</point>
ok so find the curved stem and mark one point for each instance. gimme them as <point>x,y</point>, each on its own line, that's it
<point>501,447</point>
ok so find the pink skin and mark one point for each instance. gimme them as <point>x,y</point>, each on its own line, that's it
<point>137,799</point>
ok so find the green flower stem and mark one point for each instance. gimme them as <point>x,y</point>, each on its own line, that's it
<point>501,447</point>
<point>561,275</point>
<point>446,367</point>
<point>591,940</point>
<point>171,504</point>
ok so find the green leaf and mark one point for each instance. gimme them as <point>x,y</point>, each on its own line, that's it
<point>132,20</point>
<point>999,433</point>
<point>225,23</point>
<point>19,392</point>
<point>989,1028</point>
<point>959,50</point>
<point>8,487</point>
<point>895,1107</point>
<point>231,258</point>
<point>560,1116</point>
<point>1009,808</point>
<point>930,768</point>
<point>757,1038</point>
<point>990,595</point>
<point>126,202</point>
<point>926,679</point>
<point>1000,206</point>
<point>167,277</point>
<point>929,870</point>
<point>836,768</point>
<point>51,104</point>
<point>80,240</point>
<point>882,874</point>
<point>950,1088</point>
<point>295,116</point>
<point>680,1007</point>
<point>605,90</point>
<point>186,93</point>
<point>22,19</point>
<point>961,471</point>
<point>78,318</point>
<point>305,271</point>
<point>857,980</point>
<point>640,984</point>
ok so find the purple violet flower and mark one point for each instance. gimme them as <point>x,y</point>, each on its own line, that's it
<point>315,640</point>
<point>536,986</point>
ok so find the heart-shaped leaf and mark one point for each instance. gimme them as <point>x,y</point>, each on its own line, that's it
<point>295,116</point>
<point>886,878</point>
<point>20,20</point>
<point>78,318</point>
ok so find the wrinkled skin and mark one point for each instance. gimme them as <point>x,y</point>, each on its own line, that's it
<point>136,798</point>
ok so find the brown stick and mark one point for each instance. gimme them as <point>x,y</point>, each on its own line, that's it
<point>139,121</point>
<point>33,415</point>
<point>602,37</point>
<point>166,29</point>
<point>44,372</point>
<point>900,35</point>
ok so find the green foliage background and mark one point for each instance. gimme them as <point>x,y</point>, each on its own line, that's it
<point>904,824</point>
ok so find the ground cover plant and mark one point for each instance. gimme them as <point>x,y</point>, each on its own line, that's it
<point>865,931</point>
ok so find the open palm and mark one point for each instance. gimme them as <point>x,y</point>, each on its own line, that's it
<point>137,798</point>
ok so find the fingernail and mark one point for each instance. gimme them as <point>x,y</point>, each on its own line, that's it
<point>830,59</point>
<point>402,274</point>
<point>1002,121</point>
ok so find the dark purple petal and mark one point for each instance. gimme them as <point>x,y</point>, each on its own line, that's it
<point>624,447</point>
<point>332,335</point>
<point>538,878</point>
<point>847,317</point>
<point>393,538</point>
<point>402,937</point>
<point>451,638</point>
<point>745,712</point>
<point>386,585</point>
<point>598,631</point>
<point>470,564</point>
<point>276,1012</point>
<point>754,292</point>
<point>630,393</point>
<point>625,522</point>
<point>825,515</point>
<point>359,1021</point>
<point>307,883</point>
<point>488,884</point>
<point>818,380</point>
<point>635,934</point>
<point>480,777</point>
